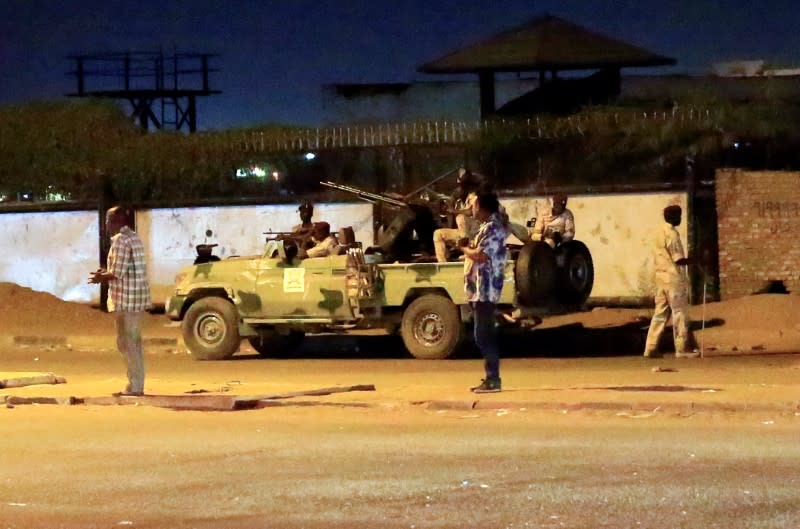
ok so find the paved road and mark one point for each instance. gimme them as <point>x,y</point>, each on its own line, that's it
<point>571,442</point>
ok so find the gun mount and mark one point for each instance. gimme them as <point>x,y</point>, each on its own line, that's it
<point>409,235</point>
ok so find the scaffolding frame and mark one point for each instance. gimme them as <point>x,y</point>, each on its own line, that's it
<point>172,81</point>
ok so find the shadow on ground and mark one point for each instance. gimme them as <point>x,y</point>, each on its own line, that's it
<point>566,341</point>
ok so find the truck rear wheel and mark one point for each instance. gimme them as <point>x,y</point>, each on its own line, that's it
<point>534,273</point>
<point>211,329</point>
<point>272,344</point>
<point>431,327</point>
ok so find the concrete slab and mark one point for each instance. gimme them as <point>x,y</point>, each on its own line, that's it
<point>21,379</point>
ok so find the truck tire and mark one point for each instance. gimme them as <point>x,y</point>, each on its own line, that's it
<point>535,273</point>
<point>211,329</point>
<point>272,344</point>
<point>431,327</point>
<point>575,274</point>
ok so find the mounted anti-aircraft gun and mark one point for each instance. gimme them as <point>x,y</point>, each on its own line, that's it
<point>420,212</point>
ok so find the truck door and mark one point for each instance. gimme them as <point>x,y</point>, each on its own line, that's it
<point>296,290</point>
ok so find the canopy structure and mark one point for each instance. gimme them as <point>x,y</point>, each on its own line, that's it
<point>544,44</point>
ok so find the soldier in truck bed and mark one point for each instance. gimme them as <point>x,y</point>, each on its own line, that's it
<point>301,233</point>
<point>556,227</point>
<point>466,224</point>
<point>325,242</point>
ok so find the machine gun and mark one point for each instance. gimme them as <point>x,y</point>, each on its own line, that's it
<point>397,240</point>
<point>372,198</point>
<point>301,238</point>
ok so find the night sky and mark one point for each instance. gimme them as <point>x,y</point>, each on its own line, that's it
<point>275,55</point>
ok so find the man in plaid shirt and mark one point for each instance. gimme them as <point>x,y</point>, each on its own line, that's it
<point>129,293</point>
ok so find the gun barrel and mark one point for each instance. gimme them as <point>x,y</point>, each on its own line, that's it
<point>365,195</point>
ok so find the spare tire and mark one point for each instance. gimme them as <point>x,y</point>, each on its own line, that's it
<point>575,274</point>
<point>534,273</point>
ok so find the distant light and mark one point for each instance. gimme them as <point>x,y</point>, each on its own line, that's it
<point>736,145</point>
<point>276,175</point>
<point>258,171</point>
<point>310,156</point>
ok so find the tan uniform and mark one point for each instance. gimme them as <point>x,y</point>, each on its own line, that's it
<point>547,225</point>
<point>467,226</point>
<point>672,291</point>
<point>328,246</point>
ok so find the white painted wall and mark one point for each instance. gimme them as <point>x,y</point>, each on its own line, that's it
<point>50,252</point>
<point>618,230</point>
<point>54,252</point>
<point>170,235</point>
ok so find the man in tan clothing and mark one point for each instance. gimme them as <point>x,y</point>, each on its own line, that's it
<point>466,224</point>
<point>557,226</point>
<point>672,288</point>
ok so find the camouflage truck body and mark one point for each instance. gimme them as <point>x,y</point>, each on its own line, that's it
<point>273,301</point>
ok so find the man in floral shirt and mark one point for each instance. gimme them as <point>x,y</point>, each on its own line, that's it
<point>484,272</point>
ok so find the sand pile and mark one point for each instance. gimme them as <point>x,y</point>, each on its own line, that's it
<point>28,312</point>
<point>768,322</point>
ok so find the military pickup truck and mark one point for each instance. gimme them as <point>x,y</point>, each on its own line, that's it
<point>274,299</point>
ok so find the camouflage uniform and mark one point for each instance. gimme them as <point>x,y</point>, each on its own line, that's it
<point>672,292</point>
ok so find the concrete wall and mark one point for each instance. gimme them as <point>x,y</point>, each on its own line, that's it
<point>170,235</point>
<point>459,100</point>
<point>455,100</point>
<point>618,230</point>
<point>759,218</point>
<point>54,252</point>
<point>50,252</point>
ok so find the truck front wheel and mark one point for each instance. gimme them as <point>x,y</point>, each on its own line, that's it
<point>211,329</point>
<point>431,327</point>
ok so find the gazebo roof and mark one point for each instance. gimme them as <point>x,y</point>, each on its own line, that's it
<point>545,43</point>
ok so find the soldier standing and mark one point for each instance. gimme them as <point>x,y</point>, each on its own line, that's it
<point>306,211</point>
<point>672,288</point>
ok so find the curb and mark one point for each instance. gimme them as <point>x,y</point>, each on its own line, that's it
<point>31,380</point>
<point>652,407</point>
<point>83,340</point>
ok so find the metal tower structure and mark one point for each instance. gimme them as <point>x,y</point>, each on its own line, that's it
<point>161,89</point>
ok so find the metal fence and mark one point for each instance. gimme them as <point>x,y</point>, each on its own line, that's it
<point>444,132</point>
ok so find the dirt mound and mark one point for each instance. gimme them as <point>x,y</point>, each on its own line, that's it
<point>764,311</point>
<point>765,322</point>
<point>28,312</point>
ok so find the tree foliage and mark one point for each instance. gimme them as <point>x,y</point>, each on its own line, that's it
<point>71,147</point>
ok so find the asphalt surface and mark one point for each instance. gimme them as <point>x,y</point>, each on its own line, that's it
<point>577,377</point>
